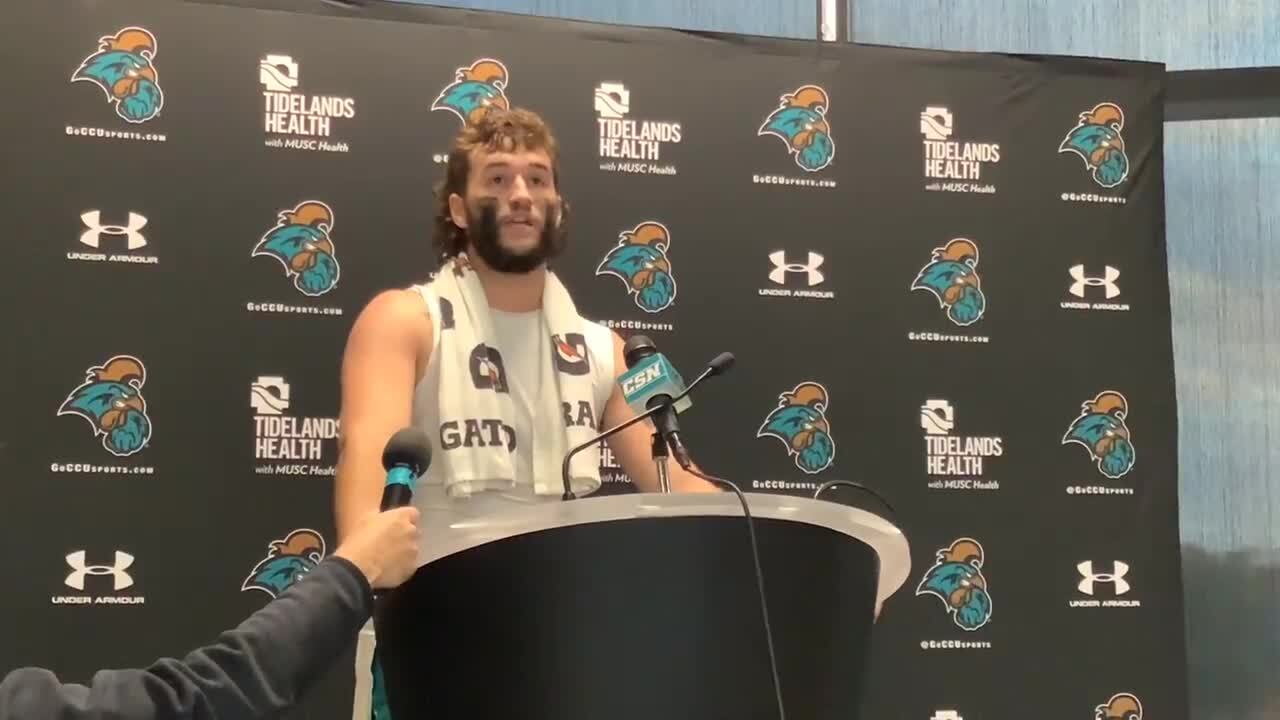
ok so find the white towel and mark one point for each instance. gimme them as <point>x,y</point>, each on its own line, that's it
<point>473,384</point>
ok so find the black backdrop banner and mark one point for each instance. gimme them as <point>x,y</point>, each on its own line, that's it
<point>956,261</point>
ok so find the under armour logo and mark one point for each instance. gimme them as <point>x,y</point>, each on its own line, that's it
<point>94,231</point>
<point>120,578</point>
<point>781,267</point>
<point>1108,281</point>
<point>1089,578</point>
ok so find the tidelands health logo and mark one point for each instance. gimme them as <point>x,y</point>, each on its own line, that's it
<point>1097,143</point>
<point>952,165</point>
<point>951,278</point>
<point>801,124</point>
<point>640,261</point>
<point>287,561</point>
<point>1102,430</point>
<point>123,69</point>
<point>799,422</point>
<point>295,120</point>
<point>956,579</point>
<point>475,90</point>
<point>628,145</point>
<point>956,462</point>
<point>109,399</point>
<point>302,247</point>
<point>287,444</point>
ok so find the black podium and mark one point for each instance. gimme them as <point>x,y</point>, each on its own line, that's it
<point>639,606</point>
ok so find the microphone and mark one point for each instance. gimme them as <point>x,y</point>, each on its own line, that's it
<point>652,382</point>
<point>406,456</point>
<point>718,366</point>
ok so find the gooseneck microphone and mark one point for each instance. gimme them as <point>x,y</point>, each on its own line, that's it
<point>406,456</point>
<point>718,366</point>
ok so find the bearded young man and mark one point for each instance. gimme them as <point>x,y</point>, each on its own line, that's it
<point>491,357</point>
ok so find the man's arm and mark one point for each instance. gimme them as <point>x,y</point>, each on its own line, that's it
<point>633,447</point>
<point>256,670</point>
<point>385,355</point>
<point>261,668</point>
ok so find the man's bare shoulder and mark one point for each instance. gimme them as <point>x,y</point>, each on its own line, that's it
<point>393,315</point>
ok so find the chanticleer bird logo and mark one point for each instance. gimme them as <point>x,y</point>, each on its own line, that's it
<point>1097,141</point>
<point>951,276</point>
<point>300,242</point>
<point>801,122</point>
<point>956,579</point>
<point>1121,706</point>
<point>475,91</point>
<point>287,561</point>
<point>640,261</point>
<point>110,399</point>
<point>1102,430</point>
<point>122,67</point>
<point>800,423</point>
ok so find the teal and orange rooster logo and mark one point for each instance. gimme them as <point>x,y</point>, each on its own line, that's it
<point>1121,706</point>
<point>801,122</point>
<point>951,276</point>
<point>122,67</point>
<point>300,242</point>
<point>1101,429</point>
<point>1097,141</point>
<point>800,423</point>
<point>110,399</point>
<point>287,561</point>
<point>475,90</point>
<point>640,261</point>
<point>956,579</point>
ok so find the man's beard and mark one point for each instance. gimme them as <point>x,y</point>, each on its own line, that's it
<point>483,234</point>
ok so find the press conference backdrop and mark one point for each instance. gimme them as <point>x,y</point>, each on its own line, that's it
<point>950,265</point>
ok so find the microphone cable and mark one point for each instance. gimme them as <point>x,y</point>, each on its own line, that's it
<point>856,486</point>
<point>755,555</point>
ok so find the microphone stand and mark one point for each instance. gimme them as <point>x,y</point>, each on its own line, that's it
<point>568,457</point>
<point>660,453</point>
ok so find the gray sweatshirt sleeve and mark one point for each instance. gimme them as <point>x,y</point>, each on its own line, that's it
<point>259,669</point>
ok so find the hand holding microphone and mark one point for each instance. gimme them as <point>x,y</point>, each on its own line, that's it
<point>385,546</point>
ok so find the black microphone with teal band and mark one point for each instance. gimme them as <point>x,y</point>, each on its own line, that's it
<point>405,458</point>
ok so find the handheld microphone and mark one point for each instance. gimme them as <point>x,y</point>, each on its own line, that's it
<point>718,366</point>
<point>406,456</point>
<point>651,381</point>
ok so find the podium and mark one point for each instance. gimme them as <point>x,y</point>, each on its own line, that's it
<point>639,606</point>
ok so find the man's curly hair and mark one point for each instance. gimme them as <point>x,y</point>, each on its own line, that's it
<point>498,130</point>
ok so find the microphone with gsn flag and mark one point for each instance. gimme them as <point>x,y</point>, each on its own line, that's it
<point>650,382</point>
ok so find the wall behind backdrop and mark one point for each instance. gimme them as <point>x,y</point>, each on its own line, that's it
<point>240,414</point>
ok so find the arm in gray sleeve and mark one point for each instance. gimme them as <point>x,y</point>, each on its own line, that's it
<point>259,669</point>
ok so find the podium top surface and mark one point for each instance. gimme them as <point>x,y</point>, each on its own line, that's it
<point>446,533</point>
